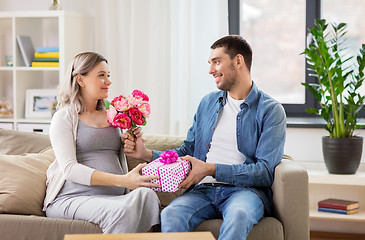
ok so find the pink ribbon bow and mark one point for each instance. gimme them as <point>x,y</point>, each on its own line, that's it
<point>168,157</point>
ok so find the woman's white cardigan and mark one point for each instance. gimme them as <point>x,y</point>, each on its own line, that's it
<point>63,134</point>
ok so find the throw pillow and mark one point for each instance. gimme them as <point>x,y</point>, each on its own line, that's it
<point>23,182</point>
<point>16,142</point>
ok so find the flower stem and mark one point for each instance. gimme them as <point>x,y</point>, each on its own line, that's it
<point>130,131</point>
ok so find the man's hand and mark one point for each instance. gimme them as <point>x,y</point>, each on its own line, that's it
<point>134,147</point>
<point>199,170</point>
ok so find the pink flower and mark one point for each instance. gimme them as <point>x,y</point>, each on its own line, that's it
<point>138,93</point>
<point>133,101</point>
<point>168,157</point>
<point>122,121</point>
<point>111,113</point>
<point>145,108</point>
<point>122,105</point>
<point>116,99</point>
<point>136,116</point>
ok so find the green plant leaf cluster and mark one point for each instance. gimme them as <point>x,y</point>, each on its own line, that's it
<point>338,85</point>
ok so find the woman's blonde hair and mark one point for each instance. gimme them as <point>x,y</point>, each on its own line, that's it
<point>68,91</point>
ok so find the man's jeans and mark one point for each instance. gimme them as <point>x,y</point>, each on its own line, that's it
<point>240,209</point>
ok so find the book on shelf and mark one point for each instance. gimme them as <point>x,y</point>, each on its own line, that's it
<point>26,49</point>
<point>46,55</point>
<point>47,49</point>
<point>45,64</point>
<point>339,211</point>
<point>45,59</point>
<point>338,204</point>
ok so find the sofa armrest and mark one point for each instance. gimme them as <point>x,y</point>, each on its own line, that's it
<point>291,199</point>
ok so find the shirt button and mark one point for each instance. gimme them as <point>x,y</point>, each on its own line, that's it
<point>238,117</point>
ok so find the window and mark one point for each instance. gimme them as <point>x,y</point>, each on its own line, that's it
<point>277,33</point>
<point>352,13</point>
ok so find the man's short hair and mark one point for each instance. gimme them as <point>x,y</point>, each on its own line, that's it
<point>233,45</point>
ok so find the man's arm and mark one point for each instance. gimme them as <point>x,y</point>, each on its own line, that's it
<point>269,152</point>
<point>135,148</point>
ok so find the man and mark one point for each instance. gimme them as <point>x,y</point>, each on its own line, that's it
<point>235,143</point>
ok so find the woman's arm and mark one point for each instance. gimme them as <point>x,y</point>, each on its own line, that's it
<point>131,180</point>
<point>64,146</point>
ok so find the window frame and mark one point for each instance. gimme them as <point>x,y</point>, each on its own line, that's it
<point>313,11</point>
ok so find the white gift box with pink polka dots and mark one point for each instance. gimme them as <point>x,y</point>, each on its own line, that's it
<point>171,175</point>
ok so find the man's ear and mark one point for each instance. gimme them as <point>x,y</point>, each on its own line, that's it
<point>240,61</point>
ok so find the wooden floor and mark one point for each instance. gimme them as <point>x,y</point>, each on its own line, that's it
<point>335,236</point>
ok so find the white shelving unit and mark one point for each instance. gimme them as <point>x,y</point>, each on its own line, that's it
<point>323,185</point>
<point>70,31</point>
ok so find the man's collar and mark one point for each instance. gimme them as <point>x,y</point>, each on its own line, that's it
<point>251,98</point>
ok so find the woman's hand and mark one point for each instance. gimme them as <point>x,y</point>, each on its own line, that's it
<point>131,180</point>
<point>135,180</point>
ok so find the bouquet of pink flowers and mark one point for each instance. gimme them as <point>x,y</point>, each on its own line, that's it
<point>128,112</point>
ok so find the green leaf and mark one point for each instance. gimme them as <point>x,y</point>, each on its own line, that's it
<point>314,89</point>
<point>341,25</point>
<point>107,104</point>
<point>312,110</point>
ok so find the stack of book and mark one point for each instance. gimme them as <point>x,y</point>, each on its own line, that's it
<point>46,57</point>
<point>333,205</point>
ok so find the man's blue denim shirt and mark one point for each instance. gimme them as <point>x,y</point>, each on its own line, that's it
<point>261,130</point>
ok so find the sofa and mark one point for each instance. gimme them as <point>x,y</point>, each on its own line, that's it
<point>25,157</point>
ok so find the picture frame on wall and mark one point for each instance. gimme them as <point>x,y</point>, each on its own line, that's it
<point>39,103</point>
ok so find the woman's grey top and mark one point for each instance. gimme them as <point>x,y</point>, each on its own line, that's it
<point>97,148</point>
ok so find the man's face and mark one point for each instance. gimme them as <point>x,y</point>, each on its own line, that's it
<point>222,68</point>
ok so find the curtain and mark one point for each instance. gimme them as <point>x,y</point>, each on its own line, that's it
<point>161,47</point>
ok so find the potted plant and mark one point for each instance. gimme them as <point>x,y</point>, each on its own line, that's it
<point>337,93</point>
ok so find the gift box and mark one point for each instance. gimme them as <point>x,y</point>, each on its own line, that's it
<point>172,170</point>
